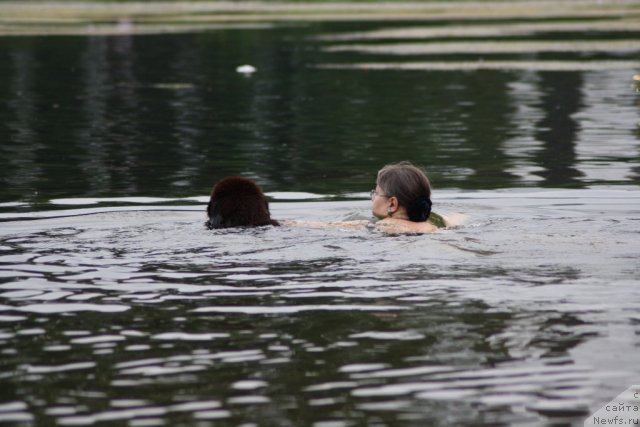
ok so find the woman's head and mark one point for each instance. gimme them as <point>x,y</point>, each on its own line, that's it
<point>238,202</point>
<point>402,187</point>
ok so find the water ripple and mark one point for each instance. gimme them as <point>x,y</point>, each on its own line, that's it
<point>511,319</point>
<point>295,309</point>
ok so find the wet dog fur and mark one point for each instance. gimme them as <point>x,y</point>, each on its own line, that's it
<point>238,202</point>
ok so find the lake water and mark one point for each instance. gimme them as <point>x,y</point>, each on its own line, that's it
<point>118,307</point>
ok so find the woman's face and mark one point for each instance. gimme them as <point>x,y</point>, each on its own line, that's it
<point>380,203</point>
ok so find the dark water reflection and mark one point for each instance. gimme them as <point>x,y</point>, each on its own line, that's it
<point>561,99</point>
<point>168,114</point>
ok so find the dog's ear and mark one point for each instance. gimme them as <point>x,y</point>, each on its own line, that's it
<point>215,216</point>
<point>267,217</point>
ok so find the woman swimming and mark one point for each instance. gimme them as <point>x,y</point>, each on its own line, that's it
<point>401,199</point>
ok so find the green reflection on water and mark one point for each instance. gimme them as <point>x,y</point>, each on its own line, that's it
<point>167,115</point>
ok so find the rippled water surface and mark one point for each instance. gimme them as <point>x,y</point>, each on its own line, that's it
<point>118,307</point>
<point>528,314</point>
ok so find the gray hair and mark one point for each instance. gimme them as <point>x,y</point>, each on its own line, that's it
<point>410,185</point>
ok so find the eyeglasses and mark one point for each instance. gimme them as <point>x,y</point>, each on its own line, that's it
<point>374,193</point>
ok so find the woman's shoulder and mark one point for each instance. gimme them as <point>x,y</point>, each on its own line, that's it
<point>435,222</point>
<point>401,226</point>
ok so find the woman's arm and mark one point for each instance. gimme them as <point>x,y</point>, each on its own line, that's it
<point>343,225</point>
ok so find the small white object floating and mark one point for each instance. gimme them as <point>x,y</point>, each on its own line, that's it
<point>246,69</point>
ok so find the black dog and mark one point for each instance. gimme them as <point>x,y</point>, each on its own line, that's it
<point>238,202</point>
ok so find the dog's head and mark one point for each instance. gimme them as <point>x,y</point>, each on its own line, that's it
<point>238,202</point>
